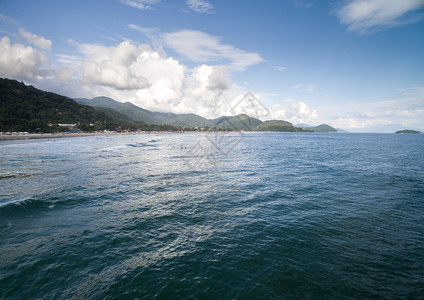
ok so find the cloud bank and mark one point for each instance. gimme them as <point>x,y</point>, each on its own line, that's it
<point>133,72</point>
<point>151,79</point>
<point>380,116</point>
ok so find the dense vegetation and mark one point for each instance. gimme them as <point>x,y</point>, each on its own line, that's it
<point>408,131</point>
<point>279,126</point>
<point>25,108</point>
<point>320,128</point>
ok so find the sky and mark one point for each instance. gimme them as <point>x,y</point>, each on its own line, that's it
<point>354,64</point>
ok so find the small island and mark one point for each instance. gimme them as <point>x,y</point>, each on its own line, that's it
<point>408,131</point>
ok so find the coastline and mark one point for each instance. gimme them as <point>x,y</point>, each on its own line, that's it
<point>65,135</point>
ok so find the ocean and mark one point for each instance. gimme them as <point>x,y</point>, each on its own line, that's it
<point>213,216</point>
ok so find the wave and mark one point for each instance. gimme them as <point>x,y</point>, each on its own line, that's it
<point>35,206</point>
<point>142,144</point>
<point>25,206</point>
<point>114,149</point>
<point>127,146</point>
<point>9,175</point>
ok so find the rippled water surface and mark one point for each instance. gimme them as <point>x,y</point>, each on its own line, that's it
<point>213,216</point>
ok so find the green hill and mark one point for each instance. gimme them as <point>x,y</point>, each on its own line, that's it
<point>278,126</point>
<point>408,131</point>
<point>25,108</point>
<point>240,122</point>
<point>321,128</point>
<point>131,111</point>
<point>138,114</point>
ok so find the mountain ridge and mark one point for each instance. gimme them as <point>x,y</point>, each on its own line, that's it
<point>25,108</point>
<point>136,113</point>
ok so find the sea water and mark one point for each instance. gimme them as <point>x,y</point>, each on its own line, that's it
<point>213,216</point>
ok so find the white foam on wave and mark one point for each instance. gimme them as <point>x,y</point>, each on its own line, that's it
<point>114,148</point>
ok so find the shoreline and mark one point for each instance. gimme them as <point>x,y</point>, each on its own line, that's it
<point>40,136</point>
<point>65,135</point>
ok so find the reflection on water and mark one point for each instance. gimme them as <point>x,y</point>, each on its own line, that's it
<point>270,216</point>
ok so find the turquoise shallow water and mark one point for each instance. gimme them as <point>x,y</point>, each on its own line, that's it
<point>213,216</point>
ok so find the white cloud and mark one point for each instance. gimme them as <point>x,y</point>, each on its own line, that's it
<point>364,16</point>
<point>201,47</point>
<point>149,32</point>
<point>384,116</point>
<point>304,87</point>
<point>36,40</point>
<point>140,4</point>
<point>136,73</point>
<point>281,68</point>
<point>20,62</point>
<point>8,20</point>
<point>200,6</point>
<point>294,112</point>
<point>116,66</point>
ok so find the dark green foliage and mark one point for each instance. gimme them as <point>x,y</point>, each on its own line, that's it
<point>25,108</point>
<point>408,131</point>
<point>240,122</point>
<point>279,126</point>
<point>321,128</point>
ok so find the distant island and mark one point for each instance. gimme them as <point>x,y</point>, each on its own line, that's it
<point>319,128</point>
<point>408,131</point>
<point>27,109</point>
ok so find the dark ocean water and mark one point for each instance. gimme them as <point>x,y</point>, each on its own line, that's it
<point>213,216</point>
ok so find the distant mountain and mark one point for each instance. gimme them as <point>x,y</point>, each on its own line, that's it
<point>339,130</point>
<point>125,111</point>
<point>131,111</point>
<point>408,131</point>
<point>278,125</point>
<point>240,122</point>
<point>321,128</point>
<point>135,113</point>
<point>25,108</point>
<point>302,125</point>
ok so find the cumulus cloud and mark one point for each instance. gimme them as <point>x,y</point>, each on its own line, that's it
<point>133,72</point>
<point>198,46</point>
<point>117,66</point>
<point>36,40</point>
<point>200,6</point>
<point>19,61</point>
<point>363,16</point>
<point>143,76</point>
<point>294,112</point>
<point>140,4</point>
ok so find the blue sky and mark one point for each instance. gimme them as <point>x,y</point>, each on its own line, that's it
<point>354,64</point>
